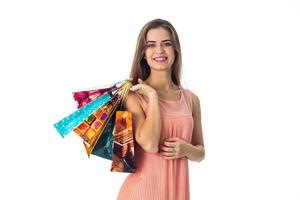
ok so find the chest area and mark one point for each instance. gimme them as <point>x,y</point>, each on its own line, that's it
<point>170,96</point>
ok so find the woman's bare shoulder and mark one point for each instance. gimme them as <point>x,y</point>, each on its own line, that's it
<point>195,100</point>
<point>195,97</point>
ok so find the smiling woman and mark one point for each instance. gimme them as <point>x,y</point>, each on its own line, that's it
<point>159,52</point>
<point>166,118</point>
<point>140,67</point>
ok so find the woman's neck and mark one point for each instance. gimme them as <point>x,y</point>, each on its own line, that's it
<point>161,82</point>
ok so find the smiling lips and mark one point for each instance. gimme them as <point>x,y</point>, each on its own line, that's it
<point>160,59</point>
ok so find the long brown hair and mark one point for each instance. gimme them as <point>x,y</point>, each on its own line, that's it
<point>140,67</point>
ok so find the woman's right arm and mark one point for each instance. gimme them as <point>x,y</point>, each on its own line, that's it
<point>147,128</point>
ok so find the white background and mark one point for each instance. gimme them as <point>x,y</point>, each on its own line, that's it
<point>240,57</point>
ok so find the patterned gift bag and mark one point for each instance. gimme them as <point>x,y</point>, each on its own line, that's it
<point>123,150</point>
<point>98,129</point>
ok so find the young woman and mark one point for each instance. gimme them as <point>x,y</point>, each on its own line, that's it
<point>166,119</point>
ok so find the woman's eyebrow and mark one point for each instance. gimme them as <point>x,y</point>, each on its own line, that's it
<point>161,41</point>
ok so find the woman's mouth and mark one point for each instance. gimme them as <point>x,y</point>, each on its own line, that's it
<point>160,59</point>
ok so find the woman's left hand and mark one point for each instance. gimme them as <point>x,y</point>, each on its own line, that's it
<point>173,148</point>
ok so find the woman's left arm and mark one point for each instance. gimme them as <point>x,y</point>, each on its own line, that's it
<point>196,151</point>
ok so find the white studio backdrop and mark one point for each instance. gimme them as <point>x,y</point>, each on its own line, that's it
<point>242,59</point>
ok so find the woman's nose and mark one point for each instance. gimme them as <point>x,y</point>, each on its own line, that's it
<point>160,48</point>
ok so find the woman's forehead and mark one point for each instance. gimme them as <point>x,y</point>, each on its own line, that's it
<point>158,34</point>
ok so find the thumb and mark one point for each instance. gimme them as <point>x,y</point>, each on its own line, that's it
<point>141,81</point>
<point>135,88</point>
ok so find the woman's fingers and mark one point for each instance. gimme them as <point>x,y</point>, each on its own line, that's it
<point>168,153</point>
<point>141,81</point>
<point>167,149</point>
<point>169,144</point>
<point>143,89</point>
<point>172,148</point>
<point>135,87</point>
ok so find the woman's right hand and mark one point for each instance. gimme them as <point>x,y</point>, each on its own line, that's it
<point>144,89</point>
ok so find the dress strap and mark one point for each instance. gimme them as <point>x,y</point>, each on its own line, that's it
<point>188,97</point>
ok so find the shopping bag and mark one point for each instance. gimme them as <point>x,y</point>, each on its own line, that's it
<point>97,129</point>
<point>67,124</point>
<point>86,96</point>
<point>104,146</point>
<point>92,128</point>
<point>123,149</point>
<point>87,105</point>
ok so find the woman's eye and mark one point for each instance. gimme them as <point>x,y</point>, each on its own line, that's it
<point>150,45</point>
<point>167,44</point>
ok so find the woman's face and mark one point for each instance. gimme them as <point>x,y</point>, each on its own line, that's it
<point>159,53</point>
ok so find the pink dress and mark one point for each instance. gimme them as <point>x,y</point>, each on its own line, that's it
<point>157,178</point>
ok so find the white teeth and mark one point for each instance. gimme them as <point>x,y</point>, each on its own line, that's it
<point>160,59</point>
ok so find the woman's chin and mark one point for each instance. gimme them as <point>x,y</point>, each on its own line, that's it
<point>160,66</point>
